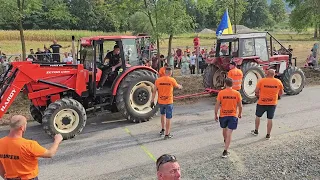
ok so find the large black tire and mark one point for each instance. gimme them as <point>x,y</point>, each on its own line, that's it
<point>128,103</point>
<point>59,114</point>
<point>208,76</point>
<point>293,80</point>
<point>252,73</point>
<point>36,114</point>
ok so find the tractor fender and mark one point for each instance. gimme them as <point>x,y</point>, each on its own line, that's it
<point>118,80</point>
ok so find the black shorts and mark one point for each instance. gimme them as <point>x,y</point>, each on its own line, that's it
<point>261,109</point>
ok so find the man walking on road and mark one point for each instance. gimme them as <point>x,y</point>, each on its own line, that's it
<point>164,85</point>
<point>236,75</point>
<point>228,100</point>
<point>19,156</point>
<point>268,90</point>
<point>168,168</point>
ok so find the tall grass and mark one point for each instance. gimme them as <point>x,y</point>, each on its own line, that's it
<point>49,35</point>
<point>65,35</point>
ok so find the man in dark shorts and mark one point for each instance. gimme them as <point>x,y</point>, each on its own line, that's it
<point>168,168</point>
<point>269,90</point>
<point>114,64</point>
<point>164,85</point>
<point>56,51</point>
<point>229,100</point>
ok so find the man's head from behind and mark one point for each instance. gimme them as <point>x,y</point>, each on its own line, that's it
<point>228,82</point>
<point>168,71</point>
<point>168,168</point>
<point>271,73</point>
<point>18,124</point>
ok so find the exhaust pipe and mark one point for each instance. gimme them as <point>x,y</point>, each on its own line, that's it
<point>73,51</point>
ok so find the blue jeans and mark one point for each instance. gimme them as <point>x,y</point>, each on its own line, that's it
<point>166,109</point>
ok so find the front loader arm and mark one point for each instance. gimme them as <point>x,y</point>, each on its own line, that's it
<point>11,88</point>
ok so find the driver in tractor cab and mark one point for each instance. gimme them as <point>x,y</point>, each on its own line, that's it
<point>114,64</point>
<point>236,75</point>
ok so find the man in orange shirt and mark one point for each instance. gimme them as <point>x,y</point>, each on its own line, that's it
<point>162,71</point>
<point>228,100</point>
<point>268,90</point>
<point>236,75</point>
<point>19,156</point>
<point>164,85</point>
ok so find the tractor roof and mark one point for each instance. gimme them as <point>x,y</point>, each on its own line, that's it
<point>243,35</point>
<point>108,38</point>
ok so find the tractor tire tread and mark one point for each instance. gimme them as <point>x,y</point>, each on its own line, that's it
<point>61,104</point>
<point>121,93</point>
<point>285,79</point>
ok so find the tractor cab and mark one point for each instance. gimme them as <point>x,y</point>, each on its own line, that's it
<point>254,46</point>
<point>93,52</point>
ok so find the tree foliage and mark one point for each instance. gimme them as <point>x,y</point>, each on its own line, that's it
<point>278,10</point>
<point>257,14</point>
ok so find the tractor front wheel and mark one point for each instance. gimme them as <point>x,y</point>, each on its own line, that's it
<point>36,114</point>
<point>252,73</point>
<point>66,117</point>
<point>293,80</point>
<point>134,96</point>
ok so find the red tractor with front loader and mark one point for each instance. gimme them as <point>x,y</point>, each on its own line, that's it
<point>62,95</point>
<point>253,56</point>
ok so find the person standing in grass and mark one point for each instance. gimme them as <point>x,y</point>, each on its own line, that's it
<point>164,85</point>
<point>185,64</point>
<point>228,101</point>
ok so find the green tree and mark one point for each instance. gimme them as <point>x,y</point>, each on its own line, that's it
<point>257,14</point>
<point>174,21</point>
<point>16,13</point>
<point>278,10</point>
<point>305,14</point>
<point>222,5</point>
<point>139,23</point>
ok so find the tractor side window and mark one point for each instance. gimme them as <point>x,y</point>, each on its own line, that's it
<point>261,48</point>
<point>247,47</point>
<point>86,56</point>
<point>130,52</point>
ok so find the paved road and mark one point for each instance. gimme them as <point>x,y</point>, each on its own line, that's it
<point>111,148</point>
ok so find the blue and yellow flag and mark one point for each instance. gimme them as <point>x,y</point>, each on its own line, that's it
<point>225,26</point>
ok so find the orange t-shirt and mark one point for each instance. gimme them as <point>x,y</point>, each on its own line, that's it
<point>19,157</point>
<point>162,71</point>
<point>229,99</point>
<point>165,87</point>
<point>269,91</point>
<point>236,75</point>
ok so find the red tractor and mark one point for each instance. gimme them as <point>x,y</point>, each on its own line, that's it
<point>62,95</point>
<point>253,56</point>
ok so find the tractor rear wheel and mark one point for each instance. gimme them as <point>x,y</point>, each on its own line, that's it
<point>213,77</point>
<point>36,114</point>
<point>66,117</point>
<point>134,96</point>
<point>293,80</point>
<point>252,73</point>
<point>208,76</point>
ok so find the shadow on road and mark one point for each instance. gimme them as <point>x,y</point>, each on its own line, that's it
<point>94,125</point>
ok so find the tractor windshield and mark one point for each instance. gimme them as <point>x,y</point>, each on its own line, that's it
<point>130,52</point>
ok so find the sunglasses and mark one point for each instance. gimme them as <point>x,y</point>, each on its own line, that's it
<point>166,158</point>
